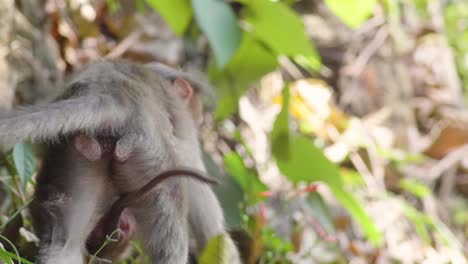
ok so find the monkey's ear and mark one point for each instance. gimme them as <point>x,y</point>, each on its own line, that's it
<point>183,89</point>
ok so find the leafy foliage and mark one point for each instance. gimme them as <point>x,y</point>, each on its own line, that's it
<point>300,160</point>
<point>24,161</point>
<point>177,13</point>
<point>319,153</point>
<point>215,251</point>
<point>352,12</point>
<point>245,177</point>
<point>218,21</point>
<point>249,63</point>
<point>285,36</point>
<point>230,194</point>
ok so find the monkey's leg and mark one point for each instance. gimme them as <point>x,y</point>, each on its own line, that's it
<point>68,202</point>
<point>47,220</point>
<point>162,225</point>
<point>206,219</point>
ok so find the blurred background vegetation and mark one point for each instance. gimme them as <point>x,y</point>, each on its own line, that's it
<point>340,131</point>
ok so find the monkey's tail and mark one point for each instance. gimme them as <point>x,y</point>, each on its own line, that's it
<point>86,114</point>
<point>132,197</point>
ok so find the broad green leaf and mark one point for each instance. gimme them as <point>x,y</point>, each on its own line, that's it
<point>296,156</point>
<point>300,160</point>
<point>306,162</point>
<point>176,13</point>
<point>352,12</point>
<point>229,194</point>
<point>281,29</point>
<point>319,210</point>
<point>245,177</point>
<point>24,161</point>
<point>250,62</point>
<point>216,251</point>
<point>219,23</point>
<point>352,178</point>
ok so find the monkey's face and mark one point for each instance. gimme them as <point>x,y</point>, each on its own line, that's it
<point>119,247</point>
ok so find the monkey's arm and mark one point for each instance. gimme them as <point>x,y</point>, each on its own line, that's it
<point>206,220</point>
<point>86,114</point>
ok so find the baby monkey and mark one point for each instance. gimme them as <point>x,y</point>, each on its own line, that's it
<point>116,127</point>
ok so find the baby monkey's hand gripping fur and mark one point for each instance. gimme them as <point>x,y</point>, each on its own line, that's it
<point>149,117</point>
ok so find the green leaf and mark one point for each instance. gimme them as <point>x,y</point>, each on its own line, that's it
<point>215,252</point>
<point>280,134</point>
<point>4,256</point>
<point>352,178</point>
<point>229,193</point>
<point>8,256</point>
<point>414,187</point>
<point>13,256</point>
<point>319,210</point>
<point>176,13</point>
<point>250,62</point>
<point>281,29</point>
<point>24,161</point>
<point>420,221</point>
<point>300,160</point>
<point>306,162</point>
<point>294,153</point>
<point>423,223</point>
<point>358,213</point>
<point>112,5</point>
<point>219,23</point>
<point>246,178</point>
<point>352,12</point>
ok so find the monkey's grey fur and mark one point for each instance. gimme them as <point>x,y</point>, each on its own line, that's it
<point>137,106</point>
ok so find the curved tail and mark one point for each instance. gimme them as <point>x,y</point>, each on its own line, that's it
<point>87,114</point>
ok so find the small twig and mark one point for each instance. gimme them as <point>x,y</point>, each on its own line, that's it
<point>361,167</point>
<point>320,232</point>
<point>361,61</point>
<point>124,45</point>
<point>290,68</point>
<point>447,184</point>
<point>109,240</point>
<point>14,215</point>
<point>447,162</point>
<point>369,26</point>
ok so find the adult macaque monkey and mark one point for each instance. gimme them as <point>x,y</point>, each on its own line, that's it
<point>118,126</point>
